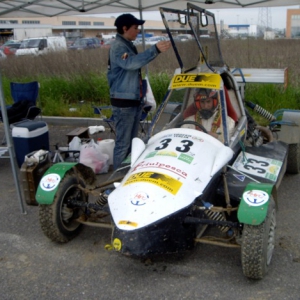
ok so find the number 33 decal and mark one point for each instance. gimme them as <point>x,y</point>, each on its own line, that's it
<point>185,147</point>
<point>256,165</point>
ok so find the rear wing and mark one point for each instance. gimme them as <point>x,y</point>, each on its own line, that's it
<point>252,75</point>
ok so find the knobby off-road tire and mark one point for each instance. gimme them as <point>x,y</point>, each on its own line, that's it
<point>57,220</point>
<point>293,160</point>
<point>258,244</point>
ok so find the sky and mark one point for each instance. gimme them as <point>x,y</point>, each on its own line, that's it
<point>237,15</point>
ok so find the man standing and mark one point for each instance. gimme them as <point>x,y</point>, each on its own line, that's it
<point>125,82</point>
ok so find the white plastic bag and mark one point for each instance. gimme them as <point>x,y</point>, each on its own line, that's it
<point>91,156</point>
<point>75,144</point>
<point>149,98</point>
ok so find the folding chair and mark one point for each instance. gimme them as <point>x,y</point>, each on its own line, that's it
<point>27,92</point>
<point>108,121</point>
<point>144,121</point>
<point>25,97</point>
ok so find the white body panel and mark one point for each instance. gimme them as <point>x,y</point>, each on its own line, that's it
<point>166,177</point>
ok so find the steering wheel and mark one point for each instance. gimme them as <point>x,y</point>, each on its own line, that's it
<point>192,123</point>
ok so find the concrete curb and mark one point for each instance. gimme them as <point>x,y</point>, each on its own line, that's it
<point>72,121</point>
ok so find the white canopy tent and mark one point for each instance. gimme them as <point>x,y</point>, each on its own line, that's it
<point>52,8</point>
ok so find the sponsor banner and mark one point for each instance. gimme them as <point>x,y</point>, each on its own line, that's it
<point>201,80</point>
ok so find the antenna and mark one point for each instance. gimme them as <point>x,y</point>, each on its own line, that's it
<point>265,19</point>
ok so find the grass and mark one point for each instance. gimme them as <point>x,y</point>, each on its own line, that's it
<point>77,79</point>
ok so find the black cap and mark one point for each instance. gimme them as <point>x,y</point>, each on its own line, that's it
<point>127,20</point>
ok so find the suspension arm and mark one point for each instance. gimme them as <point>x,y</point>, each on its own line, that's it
<point>191,220</point>
<point>72,203</point>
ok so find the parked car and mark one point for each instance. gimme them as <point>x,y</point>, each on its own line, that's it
<point>11,49</point>
<point>85,43</point>
<point>183,37</point>
<point>8,43</point>
<point>42,45</point>
<point>2,55</point>
<point>154,39</point>
<point>108,43</point>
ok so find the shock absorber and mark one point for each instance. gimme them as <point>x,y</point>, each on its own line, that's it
<point>264,113</point>
<point>103,197</point>
<point>216,216</point>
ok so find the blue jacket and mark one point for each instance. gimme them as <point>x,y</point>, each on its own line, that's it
<point>124,68</point>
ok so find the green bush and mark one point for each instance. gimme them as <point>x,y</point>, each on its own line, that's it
<point>77,79</point>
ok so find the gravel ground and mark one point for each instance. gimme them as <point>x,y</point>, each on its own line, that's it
<point>33,267</point>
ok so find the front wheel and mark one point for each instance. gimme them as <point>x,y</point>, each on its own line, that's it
<point>258,243</point>
<point>58,220</point>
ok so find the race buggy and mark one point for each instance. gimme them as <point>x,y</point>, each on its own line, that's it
<point>181,186</point>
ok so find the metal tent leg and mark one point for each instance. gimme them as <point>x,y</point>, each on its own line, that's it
<point>10,148</point>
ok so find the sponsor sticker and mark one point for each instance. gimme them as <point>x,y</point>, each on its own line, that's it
<point>239,177</point>
<point>50,182</point>
<point>185,158</point>
<point>159,165</point>
<point>255,197</point>
<point>166,153</point>
<point>163,181</point>
<point>139,199</point>
<point>117,244</point>
<point>129,223</point>
<point>201,80</point>
<point>151,154</point>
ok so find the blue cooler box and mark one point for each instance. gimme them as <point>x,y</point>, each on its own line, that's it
<point>29,136</point>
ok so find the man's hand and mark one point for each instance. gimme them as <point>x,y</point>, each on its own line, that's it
<point>163,46</point>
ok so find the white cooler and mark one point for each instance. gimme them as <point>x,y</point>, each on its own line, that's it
<point>29,136</point>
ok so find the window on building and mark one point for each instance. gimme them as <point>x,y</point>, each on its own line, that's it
<point>295,17</point>
<point>295,26</point>
<point>68,23</point>
<point>98,23</point>
<point>84,23</point>
<point>30,22</point>
<point>8,21</point>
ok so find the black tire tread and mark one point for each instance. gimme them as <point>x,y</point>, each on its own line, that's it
<point>253,253</point>
<point>48,216</point>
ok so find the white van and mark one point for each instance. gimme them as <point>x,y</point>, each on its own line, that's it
<point>42,45</point>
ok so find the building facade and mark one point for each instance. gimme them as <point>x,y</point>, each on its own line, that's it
<point>69,26</point>
<point>293,23</point>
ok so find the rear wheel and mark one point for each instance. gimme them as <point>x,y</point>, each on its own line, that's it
<point>58,220</point>
<point>258,243</point>
<point>293,160</point>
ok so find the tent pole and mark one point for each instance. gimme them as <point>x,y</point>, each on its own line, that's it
<point>143,32</point>
<point>10,147</point>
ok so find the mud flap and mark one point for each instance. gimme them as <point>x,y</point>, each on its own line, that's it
<point>254,204</point>
<point>50,182</point>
